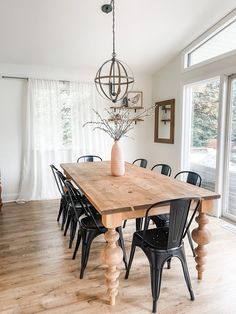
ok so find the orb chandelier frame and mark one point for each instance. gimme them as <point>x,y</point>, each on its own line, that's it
<point>114,78</point>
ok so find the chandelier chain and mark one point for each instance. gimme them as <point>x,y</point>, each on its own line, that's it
<point>113,28</point>
<point>114,78</point>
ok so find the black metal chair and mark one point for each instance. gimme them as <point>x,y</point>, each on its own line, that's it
<point>68,211</point>
<point>60,178</point>
<point>189,177</point>
<point>141,162</point>
<point>62,203</point>
<point>89,158</point>
<point>89,228</point>
<point>163,220</point>
<point>163,243</point>
<point>162,169</point>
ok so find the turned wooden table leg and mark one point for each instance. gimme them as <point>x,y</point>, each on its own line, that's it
<point>112,256</point>
<point>201,235</point>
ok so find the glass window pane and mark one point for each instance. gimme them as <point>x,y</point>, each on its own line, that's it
<point>231,208</point>
<point>222,42</point>
<point>204,102</point>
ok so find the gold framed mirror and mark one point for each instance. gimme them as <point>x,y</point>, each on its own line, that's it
<point>164,121</point>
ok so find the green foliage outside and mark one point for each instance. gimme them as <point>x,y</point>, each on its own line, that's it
<point>205,113</point>
<point>233,134</point>
<point>205,116</point>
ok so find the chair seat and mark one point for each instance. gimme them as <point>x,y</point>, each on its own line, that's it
<point>78,205</point>
<point>160,244</point>
<point>95,213</point>
<point>162,220</point>
<point>85,200</point>
<point>165,217</point>
<point>88,223</point>
<point>156,238</point>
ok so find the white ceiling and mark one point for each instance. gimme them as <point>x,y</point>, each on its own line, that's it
<point>75,33</point>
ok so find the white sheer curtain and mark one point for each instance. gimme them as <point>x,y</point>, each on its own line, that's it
<point>54,132</point>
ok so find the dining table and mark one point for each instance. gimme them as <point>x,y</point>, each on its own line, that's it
<point>118,198</point>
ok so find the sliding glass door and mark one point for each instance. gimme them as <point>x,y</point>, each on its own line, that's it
<point>206,121</point>
<point>229,194</point>
<point>202,106</point>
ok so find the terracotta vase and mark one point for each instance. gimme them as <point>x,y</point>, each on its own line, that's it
<point>117,160</point>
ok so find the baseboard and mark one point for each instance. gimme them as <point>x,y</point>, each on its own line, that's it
<point>9,198</point>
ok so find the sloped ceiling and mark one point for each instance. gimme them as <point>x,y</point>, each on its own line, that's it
<point>76,33</point>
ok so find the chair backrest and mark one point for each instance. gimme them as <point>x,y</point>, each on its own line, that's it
<point>61,182</point>
<point>76,197</point>
<point>190,177</point>
<point>178,226</point>
<point>54,169</point>
<point>163,169</point>
<point>89,158</point>
<point>141,162</point>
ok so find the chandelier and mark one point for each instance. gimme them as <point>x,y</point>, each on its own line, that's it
<point>114,78</point>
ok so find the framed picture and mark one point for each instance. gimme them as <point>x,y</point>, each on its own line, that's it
<point>164,121</point>
<point>135,99</point>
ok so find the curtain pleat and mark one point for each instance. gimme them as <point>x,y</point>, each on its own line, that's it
<point>54,133</point>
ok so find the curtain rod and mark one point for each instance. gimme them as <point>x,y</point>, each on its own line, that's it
<point>26,78</point>
<point>14,77</point>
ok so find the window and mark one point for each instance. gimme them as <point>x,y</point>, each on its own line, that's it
<point>230,169</point>
<point>219,42</point>
<point>55,114</point>
<point>202,106</point>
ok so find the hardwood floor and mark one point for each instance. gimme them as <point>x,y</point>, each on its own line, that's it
<point>37,274</point>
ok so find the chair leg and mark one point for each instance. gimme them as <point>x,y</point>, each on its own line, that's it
<point>133,247</point>
<point>124,224</point>
<point>139,223</point>
<point>60,209</point>
<point>169,263</point>
<point>156,285</point>
<point>67,222</point>
<point>73,227</point>
<point>64,216</point>
<point>191,242</point>
<point>186,273</point>
<point>122,245</point>
<point>77,244</point>
<point>87,238</point>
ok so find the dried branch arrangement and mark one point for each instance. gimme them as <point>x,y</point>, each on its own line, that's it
<point>119,123</point>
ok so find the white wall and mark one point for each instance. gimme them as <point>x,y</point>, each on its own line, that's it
<point>165,85</point>
<point>13,99</point>
<point>168,83</point>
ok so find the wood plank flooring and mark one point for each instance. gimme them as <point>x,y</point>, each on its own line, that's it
<point>37,274</point>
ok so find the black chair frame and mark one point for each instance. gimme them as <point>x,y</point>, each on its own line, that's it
<point>192,177</point>
<point>141,161</point>
<point>163,243</point>
<point>164,169</point>
<point>89,158</point>
<point>143,164</point>
<point>163,220</point>
<point>89,228</point>
<point>62,202</point>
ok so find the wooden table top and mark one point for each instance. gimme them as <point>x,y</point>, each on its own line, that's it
<point>137,189</point>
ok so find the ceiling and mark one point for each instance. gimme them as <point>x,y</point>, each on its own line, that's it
<point>76,33</point>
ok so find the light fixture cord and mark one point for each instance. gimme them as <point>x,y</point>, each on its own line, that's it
<point>113,28</point>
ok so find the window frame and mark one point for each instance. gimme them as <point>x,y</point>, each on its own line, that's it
<point>187,125</point>
<point>205,37</point>
<point>227,135</point>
